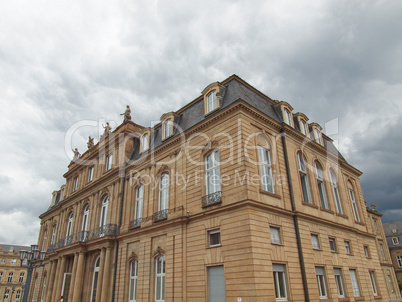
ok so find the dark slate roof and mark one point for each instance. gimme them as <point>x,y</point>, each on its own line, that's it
<point>16,248</point>
<point>234,91</point>
<point>393,229</point>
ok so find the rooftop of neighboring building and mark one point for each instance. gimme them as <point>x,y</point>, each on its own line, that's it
<point>7,248</point>
<point>393,232</point>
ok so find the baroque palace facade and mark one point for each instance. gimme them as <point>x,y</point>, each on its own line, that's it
<point>231,198</point>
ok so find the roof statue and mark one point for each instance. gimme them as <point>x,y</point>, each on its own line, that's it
<point>90,143</point>
<point>107,130</point>
<point>76,153</point>
<point>127,114</point>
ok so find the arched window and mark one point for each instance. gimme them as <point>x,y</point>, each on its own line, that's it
<point>160,279</point>
<point>264,157</point>
<point>335,191</point>
<point>212,173</point>
<point>301,161</point>
<point>84,223</point>
<point>44,241</point>
<point>353,202</point>
<point>53,235</point>
<point>95,280</point>
<point>321,185</point>
<point>132,295</point>
<point>43,289</point>
<point>103,216</point>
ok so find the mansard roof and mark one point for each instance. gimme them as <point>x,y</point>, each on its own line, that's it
<point>235,90</point>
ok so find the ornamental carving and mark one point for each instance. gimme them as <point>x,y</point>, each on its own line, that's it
<point>159,252</point>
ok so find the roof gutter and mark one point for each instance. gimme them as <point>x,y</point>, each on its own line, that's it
<point>295,219</point>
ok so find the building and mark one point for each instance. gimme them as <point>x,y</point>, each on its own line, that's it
<point>393,233</point>
<point>12,275</point>
<point>231,198</point>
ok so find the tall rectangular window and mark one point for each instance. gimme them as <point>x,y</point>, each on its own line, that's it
<point>280,282</point>
<point>21,279</point>
<point>288,118</point>
<point>321,186</point>
<point>53,235</point>
<point>304,177</point>
<point>1,276</point>
<point>339,282</point>
<point>315,242</point>
<point>145,142</point>
<point>90,174</point>
<point>139,197</point>
<point>347,248</point>
<point>391,286</point>
<point>109,161</point>
<point>322,286</point>
<point>133,281</point>
<point>18,294</point>
<point>373,284</point>
<point>164,192</point>
<point>43,289</point>
<point>212,101</point>
<point>265,169</point>
<point>355,284</point>
<point>354,205</point>
<point>10,277</point>
<point>399,260</point>
<point>303,127</point>
<point>75,183</point>
<point>382,251</point>
<point>213,174</point>
<point>366,251</point>
<point>216,284</point>
<point>160,279</point>
<point>167,128</point>
<point>275,235</point>
<point>334,184</point>
<point>44,241</point>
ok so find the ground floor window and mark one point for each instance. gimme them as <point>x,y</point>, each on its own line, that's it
<point>133,281</point>
<point>280,282</point>
<point>355,284</point>
<point>216,284</point>
<point>95,279</point>
<point>322,286</point>
<point>160,279</point>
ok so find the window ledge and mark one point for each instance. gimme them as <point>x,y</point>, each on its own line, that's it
<point>341,215</point>
<point>334,252</point>
<point>167,137</point>
<point>327,210</point>
<point>214,246</point>
<point>344,299</point>
<point>270,194</point>
<point>378,297</point>
<point>278,244</point>
<point>359,298</point>
<point>310,204</point>
<point>358,222</point>
<point>317,249</point>
<point>212,111</point>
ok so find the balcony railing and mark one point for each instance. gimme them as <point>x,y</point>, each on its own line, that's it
<point>161,215</point>
<point>85,236</point>
<point>135,223</point>
<point>211,199</point>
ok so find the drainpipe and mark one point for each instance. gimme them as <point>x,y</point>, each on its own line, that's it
<point>295,219</point>
<point>123,186</point>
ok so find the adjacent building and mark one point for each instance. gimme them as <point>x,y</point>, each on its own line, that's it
<point>12,275</point>
<point>393,233</point>
<point>233,197</point>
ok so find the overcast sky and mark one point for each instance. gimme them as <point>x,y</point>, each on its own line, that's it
<point>62,62</point>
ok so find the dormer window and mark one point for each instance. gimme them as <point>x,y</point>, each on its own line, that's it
<point>109,162</point>
<point>303,127</point>
<point>302,120</point>
<point>316,133</point>
<point>317,136</point>
<point>288,118</point>
<point>144,141</point>
<point>167,128</point>
<point>212,99</point>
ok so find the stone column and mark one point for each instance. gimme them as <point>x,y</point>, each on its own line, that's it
<point>100,276</point>
<point>79,276</point>
<point>56,277</point>
<point>73,275</point>
<point>60,277</point>
<point>106,276</point>
<point>49,287</point>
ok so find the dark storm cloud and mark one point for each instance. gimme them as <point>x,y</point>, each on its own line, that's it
<point>328,59</point>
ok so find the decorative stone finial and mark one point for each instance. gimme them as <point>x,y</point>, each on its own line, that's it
<point>373,207</point>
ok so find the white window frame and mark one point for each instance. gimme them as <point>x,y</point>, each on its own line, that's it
<point>288,117</point>
<point>399,260</point>
<point>53,235</point>
<point>354,205</point>
<point>304,128</point>
<point>163,203</point>
<point>75,184</point>
<point>10,277</point>
<point>275,233</point>
<point>212,101</point>
<point>145,142</point>
<point>355,282</point>
<point>13,261</point>
<point>382,251</point>
<point>212,173</point>
<point>317,134</point>
<point>43,289</point>
<point>139,197</point>
<point>69,225</point>
<point>3,260</point>
<point>44,241</point>
<point>84,224</point>
<point>103,216</point>
<point>315,241</point>
<point>1,276</point>
<point>167,128</point>
<point>279,271</point>
<point>18,294</point>
<point>90,174</point>
<point>373,283</point>
<point>332,244</point>
<point>339,282</point>
<point>321,185</point>
<point>321,282</point>
<point>335,191</point>
<point>391,285</point>
<point>6,294</point>
<point>160,279</point>
<point>21,278</point>
<point>304,180</point>
<point>366,251</point>
<point>132,291</point>
<point>211,235</point>
<point>395,240</point>
<point>264,157</point>
<point>109,162</point>
<point>95,278</point>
